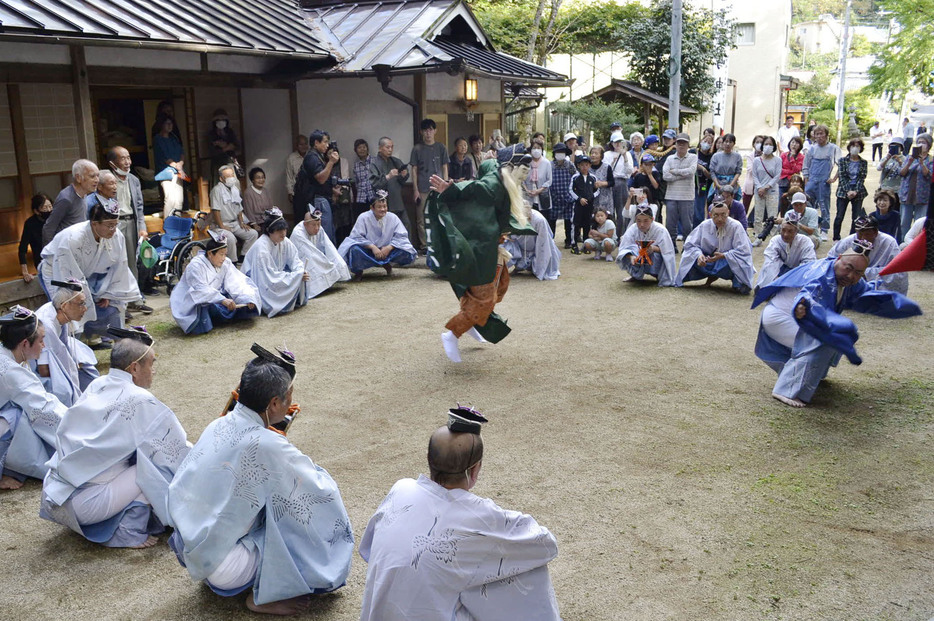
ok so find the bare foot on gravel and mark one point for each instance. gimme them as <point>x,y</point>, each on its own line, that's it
<point>795,403</point>
<point>293,606</point>
<point>147,544</point>
<point>10,483</point>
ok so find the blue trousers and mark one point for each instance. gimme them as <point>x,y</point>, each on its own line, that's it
<point>360,258</point>
<point>106,318</point>
<point>216,313</point>
<point>718,269</point>
<point>818,192</point>
<point>809,363</point>
<point>640,270</point>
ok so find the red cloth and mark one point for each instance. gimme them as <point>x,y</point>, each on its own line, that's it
<point>791,166</point>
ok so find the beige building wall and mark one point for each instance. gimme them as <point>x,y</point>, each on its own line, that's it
<point>268,136</point>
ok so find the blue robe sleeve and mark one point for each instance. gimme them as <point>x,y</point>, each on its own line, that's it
<point>889,304</point>
<point>827,326</point>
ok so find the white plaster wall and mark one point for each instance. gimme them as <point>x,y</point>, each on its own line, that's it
<point>108,56</point>
<point>444,87</point>
<point>351,108</point>
<point>41,53</point>
<point>268,138</point>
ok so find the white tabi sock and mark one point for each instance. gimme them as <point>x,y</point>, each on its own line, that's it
<point>449,341</point>
<point>476,335</point>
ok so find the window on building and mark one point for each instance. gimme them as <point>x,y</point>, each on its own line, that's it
<point>745,34</point>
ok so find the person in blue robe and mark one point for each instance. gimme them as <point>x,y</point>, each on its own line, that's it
<point>802,333</point>
<point>274,264</point>
<point>250,511</point>
<point>116,450</point>
<point>29,415</point>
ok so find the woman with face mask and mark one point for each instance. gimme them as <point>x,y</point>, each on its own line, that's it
<point>562,205</point>
<point>891,166</point>
<point>224,144</point>
<point>792,161</point>
<point>766,172</point>
<point>32,234</point>
<point>537,185</point>
<point>705,150</point>
<point>851,170</point>
<point>915,189</point>
<point>748,187</point>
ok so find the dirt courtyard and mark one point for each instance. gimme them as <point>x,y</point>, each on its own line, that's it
<point>634,422</point>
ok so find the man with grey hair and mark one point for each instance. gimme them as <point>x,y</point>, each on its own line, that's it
<point>117,450</point>
<point>390,174</point>
<point>66,366</point>
<point>227,210</point>
<point>130,198</point>
<point>69,207</point>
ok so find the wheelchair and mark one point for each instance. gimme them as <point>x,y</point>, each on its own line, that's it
<point>175,247</point>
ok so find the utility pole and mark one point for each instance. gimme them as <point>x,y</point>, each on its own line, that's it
<point>674,67</point>
<point>840,107</point>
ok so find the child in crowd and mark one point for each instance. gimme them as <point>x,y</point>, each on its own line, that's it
<point>583,192</point>
<point>602,236</point>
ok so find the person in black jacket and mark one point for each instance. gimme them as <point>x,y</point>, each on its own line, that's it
<point>32,234</point>
<point>583,193</point>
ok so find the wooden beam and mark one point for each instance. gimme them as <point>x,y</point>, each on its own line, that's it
<point>19,146</point>
<point>293,111</point>
<point>82,95</point>
<point>421,96</point>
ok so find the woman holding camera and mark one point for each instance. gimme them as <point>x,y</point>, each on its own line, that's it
<point>916,181</point>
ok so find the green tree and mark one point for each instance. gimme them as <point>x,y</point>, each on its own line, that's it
<point>860,46</point>
<point>814,91</point>
<point>809,10</point>
<point>706,38</point>
<point>596,115</point>
<point>908,60</point>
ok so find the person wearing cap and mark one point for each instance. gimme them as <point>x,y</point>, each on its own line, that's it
<point>434,550</point>
<point>562,205</point>
<point>808,218</point>
<point>117,450</point>
<point>646,249</point>
<point>802,332</point>
<point>538,254</point>
<point>891,166</point>
<point>571,142</point>
<point>323,263</point>
<point>276,268</point>
<point>251,511</point>
<point>91,253</point>
<point>378,239</point>
<point>584,192</point>
<point>227,213</point>
<point>223,141</point>
<point>212,290</point>
<point>29,415</point>
<point>69,207</point>
<point>718,248</point>
<point>785,251</point>
<point>620,161</point>
<point>678,171</point>
<point>648,179</point>
<point>884,249</point>
<point>469,220</point>
<point>66,365</point>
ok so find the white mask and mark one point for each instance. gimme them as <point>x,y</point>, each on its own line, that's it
<point>854,150</point>
<point>758,146</point>
<point>230,182</point>
<point>220,124</point>
<point>536,153</point>
<point>560,157</point>
<point>120,172</point>
<point>767,149</point>
<point>705,146</point>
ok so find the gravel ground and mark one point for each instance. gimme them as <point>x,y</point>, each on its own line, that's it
<point>635,422</point>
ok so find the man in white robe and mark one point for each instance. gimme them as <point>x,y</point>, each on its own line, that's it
<point>276,268</point>
<point>436,551</point>
<point>378,239</point>
<point>786,251</point>
<point>884,249</point>
<point>92,253</point>
<point>646,249</point>
<point>718,248</point>
<point>116,451</point>
<point>212,290</point>
<point>537,253</point>
<point>66,365</point>
<point>29,415</point>
<point>323,263</point>
<point>251,511</point>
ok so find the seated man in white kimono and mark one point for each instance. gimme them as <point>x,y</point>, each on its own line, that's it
<point>29,415</point>
<point>116,452</point>
<point>212,291</point>
<point>802,333</point>
<point>645,249</point>
<point>378,239</point>
<point>436,551</point>
<point>92,253</point>
<point>536,253</point>
<point>66,365</point>
<point>785,251</point>
<point>276,268</point>
<point>251,511</point>
<point>322,261</point>
<point>718,248</point>
<point>884,249</point>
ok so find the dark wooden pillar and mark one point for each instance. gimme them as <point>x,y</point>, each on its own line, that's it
<point>82,96</point>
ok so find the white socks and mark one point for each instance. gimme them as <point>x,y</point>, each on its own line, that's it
<point>476,335</point>
<point>449,341</point>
